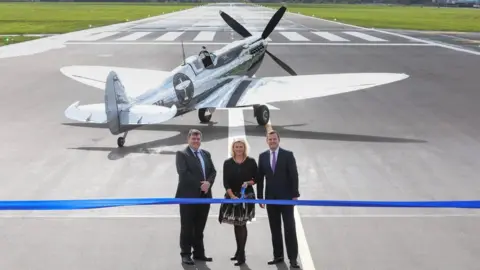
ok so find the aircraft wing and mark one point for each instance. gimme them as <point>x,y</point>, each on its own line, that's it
<point>135,80</point>
<point>289,88</point>
<point>245,92</point>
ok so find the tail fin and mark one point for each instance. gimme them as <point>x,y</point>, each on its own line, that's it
<point>115,91</point>
<point>116,100</point>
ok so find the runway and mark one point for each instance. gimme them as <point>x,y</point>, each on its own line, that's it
<point>416,139</point>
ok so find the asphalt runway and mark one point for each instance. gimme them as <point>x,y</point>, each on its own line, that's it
<point>416,139</point>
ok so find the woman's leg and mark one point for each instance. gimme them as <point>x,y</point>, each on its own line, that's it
<point>238,237</point>
<point>242,240</point>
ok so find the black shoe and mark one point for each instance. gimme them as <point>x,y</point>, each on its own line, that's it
<point>276,260</point>
<point>239,263</point>
<point>187,260</point>
<point>202,258</point>
<point>294,264</point>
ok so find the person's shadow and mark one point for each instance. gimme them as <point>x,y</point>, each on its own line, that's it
<point>204,266</point>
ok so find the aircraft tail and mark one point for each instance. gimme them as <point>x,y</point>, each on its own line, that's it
<point>119,111</point>
<point>116,100</point>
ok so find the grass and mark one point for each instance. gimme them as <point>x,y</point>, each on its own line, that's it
<point>56,18</point>
<point>6,40</point>
<point>394,17</point>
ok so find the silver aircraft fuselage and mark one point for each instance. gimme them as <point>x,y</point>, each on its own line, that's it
<point>191,83</point>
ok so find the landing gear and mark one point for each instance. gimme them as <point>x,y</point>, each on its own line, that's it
<point>262,113</point>
<point>121,140</point>
<point>205,115</point>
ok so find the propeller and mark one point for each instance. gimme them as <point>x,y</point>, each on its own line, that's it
<point>237,27</point>
<point>273,22</point>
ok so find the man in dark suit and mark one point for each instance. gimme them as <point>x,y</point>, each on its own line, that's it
<point>279,168</point>
<point>196,174</point>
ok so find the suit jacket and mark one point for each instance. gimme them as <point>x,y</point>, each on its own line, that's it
<point>281,184</point>
<point>190,174</point>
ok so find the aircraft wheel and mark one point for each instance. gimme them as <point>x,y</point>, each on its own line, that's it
<point>262,113</point>
<point>120,141</point>
<point>204,118</point>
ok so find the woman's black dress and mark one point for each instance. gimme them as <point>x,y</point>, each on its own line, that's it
<point>234,175</point>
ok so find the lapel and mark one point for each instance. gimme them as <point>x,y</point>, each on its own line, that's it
<point>195,160</point>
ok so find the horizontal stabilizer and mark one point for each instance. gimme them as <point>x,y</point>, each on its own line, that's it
<point>147,114</point>
<point>91,113</point>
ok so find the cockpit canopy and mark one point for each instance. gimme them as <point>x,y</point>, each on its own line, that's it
<point>206,57</point>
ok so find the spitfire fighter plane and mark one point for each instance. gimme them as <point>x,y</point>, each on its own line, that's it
<point>211,80</point>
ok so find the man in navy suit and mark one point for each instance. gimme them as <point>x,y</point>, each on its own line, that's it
<point>279,168</point>
<point>196,173</point>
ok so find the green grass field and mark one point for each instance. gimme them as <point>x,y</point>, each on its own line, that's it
<point>395,17</point>
<point>53,18</point>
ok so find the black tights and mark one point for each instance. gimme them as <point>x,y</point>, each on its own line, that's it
<point>241,238</point>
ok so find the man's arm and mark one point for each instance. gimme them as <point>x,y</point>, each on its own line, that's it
<point>182,168</point>
<point>259,178</point>
<point>293,174</point>
<point>213,172</point>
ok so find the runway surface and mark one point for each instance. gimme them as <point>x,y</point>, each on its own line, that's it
<point>416,139</point>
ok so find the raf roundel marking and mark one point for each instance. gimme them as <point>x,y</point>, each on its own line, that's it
<point>183,88</point>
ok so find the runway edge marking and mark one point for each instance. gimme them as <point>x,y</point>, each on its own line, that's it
<point>437,44</point>
<point>303,248</point>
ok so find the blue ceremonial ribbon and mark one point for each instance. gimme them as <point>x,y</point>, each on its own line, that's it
<point>104,203</point>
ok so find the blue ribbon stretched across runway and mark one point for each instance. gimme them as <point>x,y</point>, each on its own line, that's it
<point>104,203</point>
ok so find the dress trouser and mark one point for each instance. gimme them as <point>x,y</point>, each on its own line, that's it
<point>275,215</point>
<point>193,218</point>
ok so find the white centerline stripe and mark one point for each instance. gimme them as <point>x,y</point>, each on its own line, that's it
<point>133,36</point>
<point>364,36</point>
<point>169,36</point>
<point>127,215</point>
<point>294,36</point>
<point>329,36</point>
<point>205,36</point>
<point>303,249</point>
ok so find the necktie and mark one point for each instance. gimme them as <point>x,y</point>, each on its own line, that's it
<point>199,162</point>
<point>274,161</point>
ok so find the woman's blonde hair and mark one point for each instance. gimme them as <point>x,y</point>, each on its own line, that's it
<point>245,145</point>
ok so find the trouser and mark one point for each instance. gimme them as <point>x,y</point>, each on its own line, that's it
<point>193,218</point>
<point>275,215</point>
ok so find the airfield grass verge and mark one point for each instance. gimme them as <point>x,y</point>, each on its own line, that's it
<point>393,17</point>
<point>59,18</point>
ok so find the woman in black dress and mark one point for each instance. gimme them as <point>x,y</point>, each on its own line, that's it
<point>239,171</point>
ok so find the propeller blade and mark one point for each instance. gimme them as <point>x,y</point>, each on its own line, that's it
<point>282,64</point>
<point>237,27</point>
<point>273,22</point>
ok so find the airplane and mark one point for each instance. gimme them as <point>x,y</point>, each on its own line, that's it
<point>222,79</point>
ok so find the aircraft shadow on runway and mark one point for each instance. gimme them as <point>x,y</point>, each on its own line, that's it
<point>211,132</point>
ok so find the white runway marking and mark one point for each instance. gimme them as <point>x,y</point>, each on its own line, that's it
<point>364,36</point>
<point>105,215</point>
<point>133,36</point>
<point>169,36</point>
<point>431,43</point>
<point>98,36</point>
<point>329,36</point>
<point>269,44</point>
<point>259,33</point>
<point>294,36</point>
<point>303,249</point>
<point>205,36</point>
